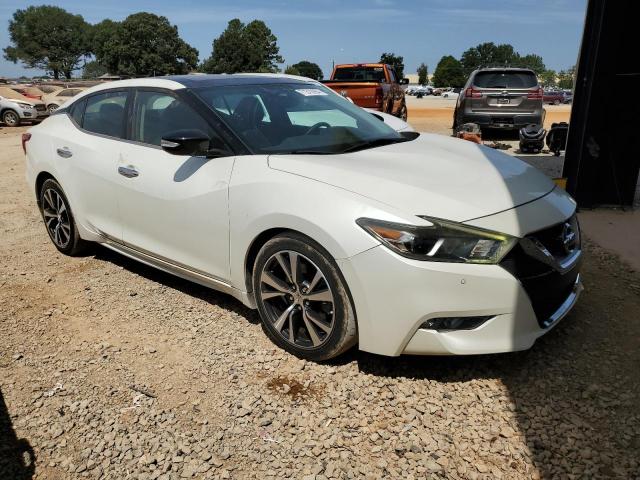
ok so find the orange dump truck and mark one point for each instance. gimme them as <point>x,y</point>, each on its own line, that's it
<point>370,85</point>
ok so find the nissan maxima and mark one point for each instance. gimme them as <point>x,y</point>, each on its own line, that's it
<point>338,229</point>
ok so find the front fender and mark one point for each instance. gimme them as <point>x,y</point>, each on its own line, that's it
<point>262,199</point>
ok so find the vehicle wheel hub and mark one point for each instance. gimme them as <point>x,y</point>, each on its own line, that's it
<point>297,298</point>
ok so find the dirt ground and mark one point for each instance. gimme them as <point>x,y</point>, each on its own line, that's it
<point>434,114</point>
<point>110,369</point>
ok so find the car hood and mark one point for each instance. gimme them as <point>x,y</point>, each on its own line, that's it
<point>31,101</point>
<point>432,175</point>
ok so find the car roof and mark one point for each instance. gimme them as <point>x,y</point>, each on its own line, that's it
<point>178,82</point>
<point>508,69</point>
<point>211,80</point>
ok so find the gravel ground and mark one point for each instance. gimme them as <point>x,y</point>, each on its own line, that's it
<point>109,369</point>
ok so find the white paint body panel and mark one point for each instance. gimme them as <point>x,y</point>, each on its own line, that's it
<point>433,175</point>
<point>205,214</point>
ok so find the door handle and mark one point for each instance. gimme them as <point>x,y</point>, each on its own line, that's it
<point>64,152</point>
<point>128,172</point>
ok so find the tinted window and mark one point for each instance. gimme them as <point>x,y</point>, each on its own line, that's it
<point>77,110</point>
<point>505,79</point>
<point>104,114</point>
<point>157,113</point>
<point>360,74</point>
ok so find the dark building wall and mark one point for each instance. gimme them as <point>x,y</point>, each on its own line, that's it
<point>603,151</point>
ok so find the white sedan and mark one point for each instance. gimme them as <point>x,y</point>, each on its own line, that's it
<point>337,228</point>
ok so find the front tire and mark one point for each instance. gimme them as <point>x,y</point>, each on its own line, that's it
<point>52,108</point>
<point>58,219</point>
<point>302,298</point>
<point>11,118</point>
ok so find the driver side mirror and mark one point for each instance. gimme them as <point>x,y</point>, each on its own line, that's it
<point>404,81</point>
<point>195,143</point>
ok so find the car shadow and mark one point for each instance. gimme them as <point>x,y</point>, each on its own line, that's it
<point>576,392</point>
<point>17,458</point>
<point>203,293</point>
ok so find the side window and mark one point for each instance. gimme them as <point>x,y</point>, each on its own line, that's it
<point>65,93</point>
<point>77,110</point>
<point>104,114</point>
<point>158,113</point>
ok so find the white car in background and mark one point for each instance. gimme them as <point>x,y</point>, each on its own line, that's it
<point>337,228</point>
<point>56,99</point>
<point>15,108</point>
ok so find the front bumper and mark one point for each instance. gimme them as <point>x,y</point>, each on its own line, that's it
<point>33,114</point>
<point>394,296</point>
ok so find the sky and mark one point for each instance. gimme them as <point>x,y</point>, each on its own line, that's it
<point>345,31</point>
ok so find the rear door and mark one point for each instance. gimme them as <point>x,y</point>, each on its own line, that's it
<point>505,91</point>
<point>89,156</point>
<point>173,207</point>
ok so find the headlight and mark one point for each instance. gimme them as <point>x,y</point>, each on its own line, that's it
<point>26,106</point>
<point>442,242</point>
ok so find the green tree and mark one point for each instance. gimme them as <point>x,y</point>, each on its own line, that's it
<point>449,73</point>
<point>532,61</point>
<point>291,70</point>
<point>48,38</point>
<point>487,53</point>
<point>423,74</point>
<point>244,48</point>
<point>566,78</point>
<point>143,44</point>
<point>396,61</point>
<point>548,78</point>
<point>308,69</point>
<point>93,69</point>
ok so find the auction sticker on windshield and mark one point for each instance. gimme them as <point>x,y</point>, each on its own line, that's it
<point>310,92</point>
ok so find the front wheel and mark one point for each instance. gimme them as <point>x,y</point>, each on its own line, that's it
<point>58,219</point>
<point>302,298</point>
<point>52,108</point>
<point>11,118</point>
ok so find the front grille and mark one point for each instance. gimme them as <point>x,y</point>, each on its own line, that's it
<point>547,286</point>
<point>41,108</point>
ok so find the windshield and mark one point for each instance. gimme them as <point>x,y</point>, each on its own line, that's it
<point>360,74</point>
<point>296,118</point>
<point>505,79</point>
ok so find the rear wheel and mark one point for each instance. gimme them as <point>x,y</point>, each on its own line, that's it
<point>302,299</point>
<point>11,118</point>
<point>58,219</point>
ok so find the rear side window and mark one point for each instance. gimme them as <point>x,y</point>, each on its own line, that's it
<point>77,110</point>
<point>505,79</point>
<point>104,114</point>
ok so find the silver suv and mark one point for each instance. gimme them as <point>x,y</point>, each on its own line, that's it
<point>507,98</point>
<point>16,108</point>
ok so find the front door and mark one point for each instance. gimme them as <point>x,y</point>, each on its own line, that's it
<point>173,207</point>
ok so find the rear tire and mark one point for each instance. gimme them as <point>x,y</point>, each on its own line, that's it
<point>306,310</point>
<point>11,118</point>
<point>58,219</point>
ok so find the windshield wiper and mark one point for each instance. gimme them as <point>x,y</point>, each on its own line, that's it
<point>378,142</point>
